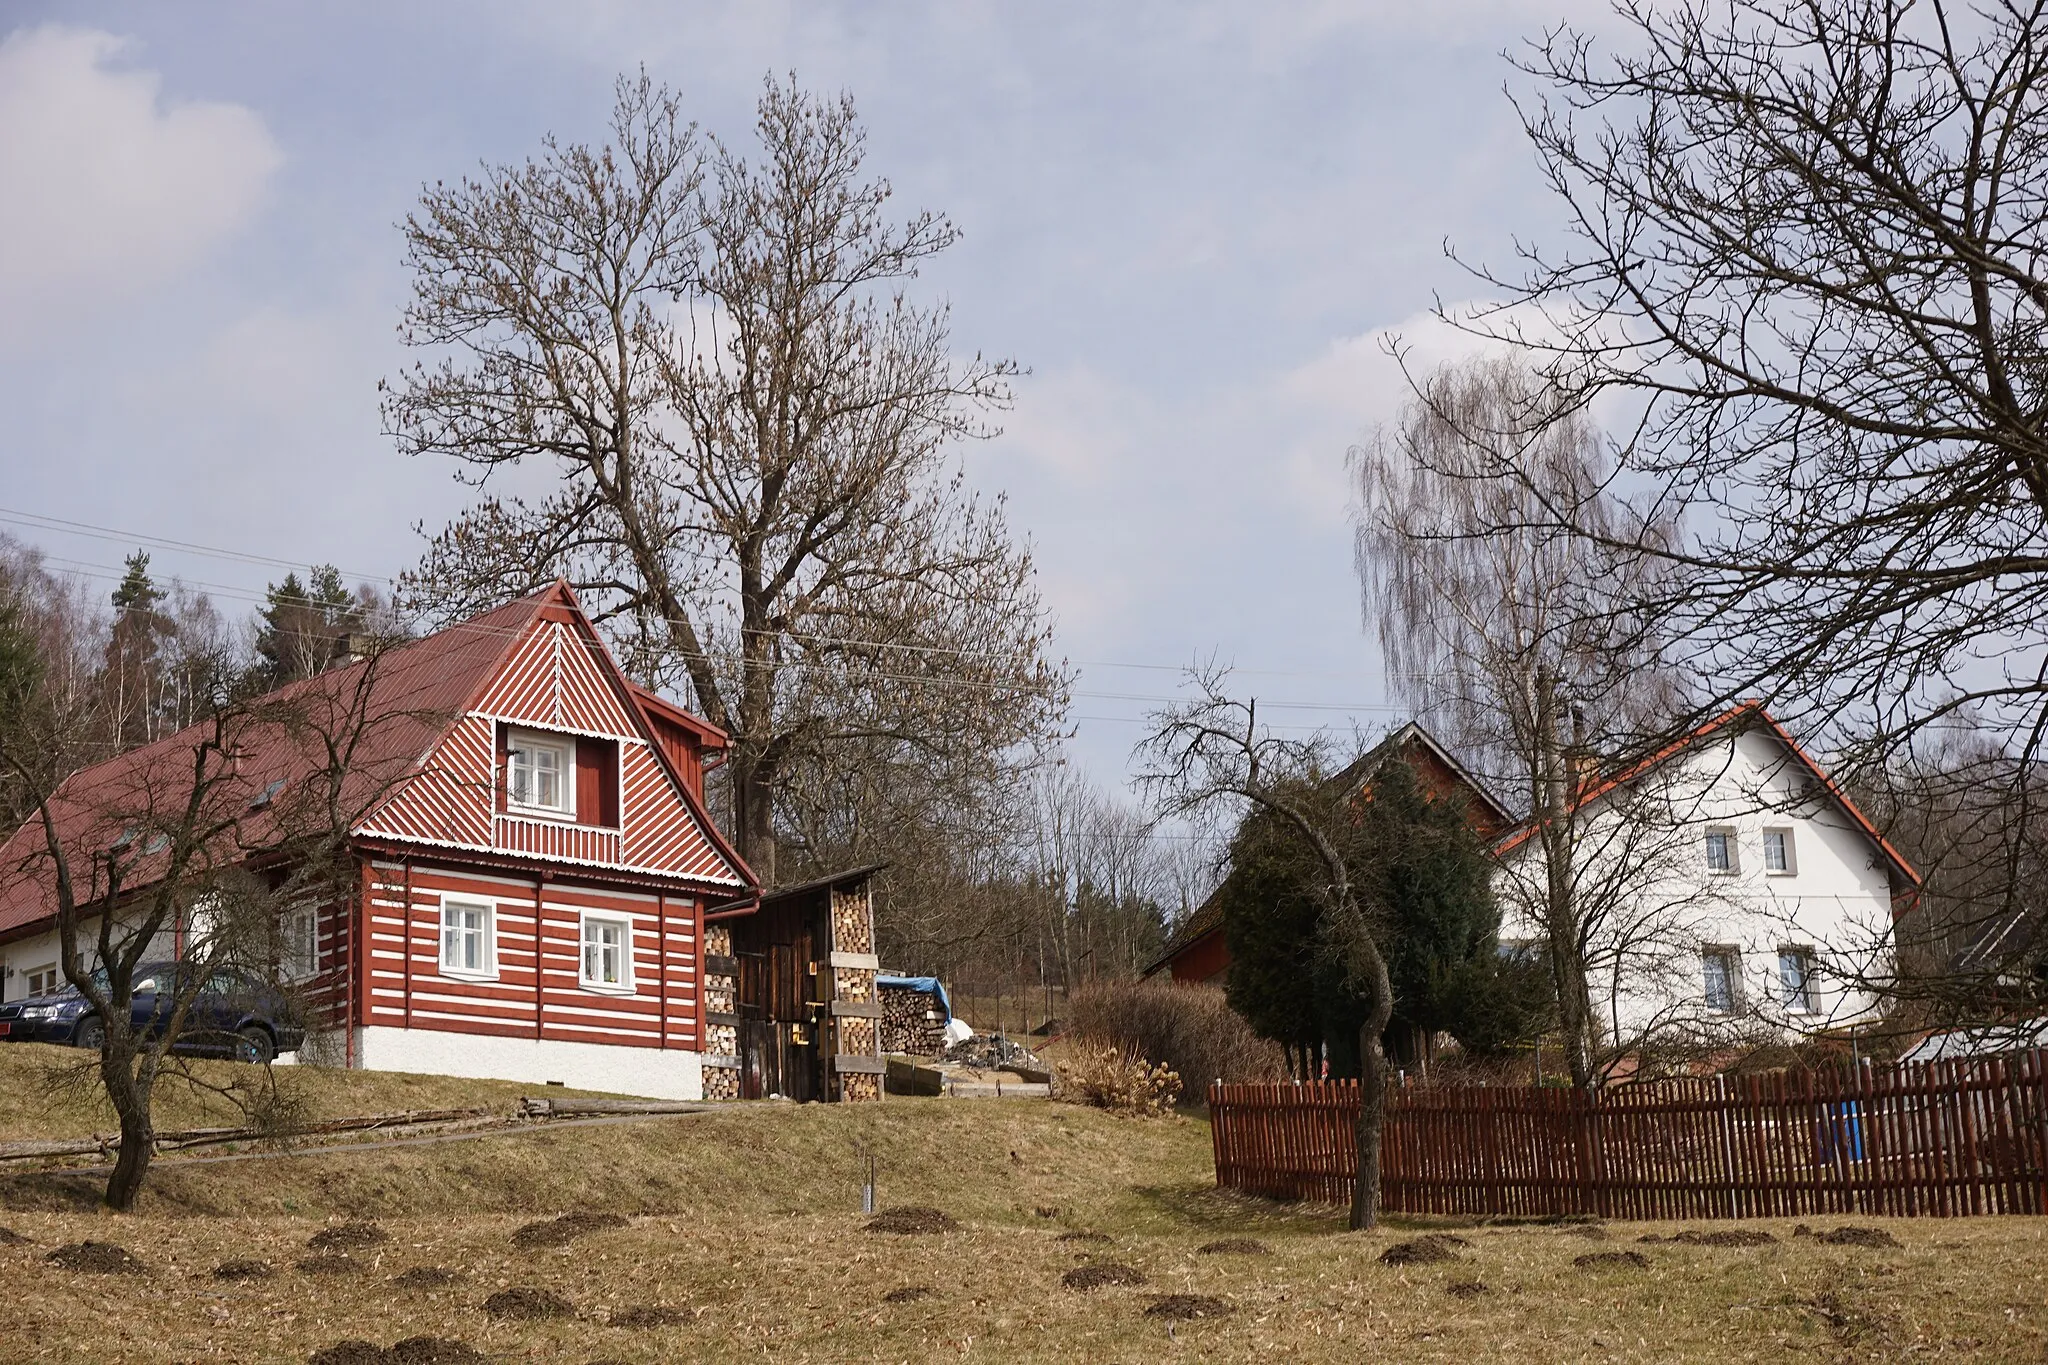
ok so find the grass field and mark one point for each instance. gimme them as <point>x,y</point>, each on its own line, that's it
<point>744,1224</point>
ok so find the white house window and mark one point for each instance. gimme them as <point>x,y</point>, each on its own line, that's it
<point>1795,979</point>
<point>44,980</point>
<point>1778,851</point>
<point>607,953</point>
<point>1721,973</point>
<point>538,774</point>
<point>300,932</point>
<point>468,936</point>
<point>1720,850</point>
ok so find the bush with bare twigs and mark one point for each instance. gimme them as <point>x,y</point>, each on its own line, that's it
<point>1191,1030</point>
<point>1115,1078</point>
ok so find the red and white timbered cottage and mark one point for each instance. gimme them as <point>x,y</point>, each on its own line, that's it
<point>535,874</point>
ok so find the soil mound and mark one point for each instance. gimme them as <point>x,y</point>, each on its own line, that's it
<point>1182,1307</point>
<point>96,1258</point>
<point>1096,1276</point>
<point>351,1352</point>
<point>348,1237</point>
<point>910,1293</point>
<point>912,1221</point>
<point>427,1277</point>
<point>1856,1237</point>
<point>1466,1289</point>
<point>243,1270</point>
<point>1083,1237</point>
<point>1592,1232</point>
<point>1423,1250</point>
<point>1235,1246</point>
<point>650,1315</point>
<point>1612,1260</point>
<point>10,1238</point>
<point>432,1351</point>
<point>559,1232</point>
<point>525,1303</point>
<point>328,1263</point>
<point>1725,1237</point>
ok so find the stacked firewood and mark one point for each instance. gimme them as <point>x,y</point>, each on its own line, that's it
<point>912,1022</point>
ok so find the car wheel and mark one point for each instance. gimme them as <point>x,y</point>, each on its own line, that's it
<point>90,1033</point>
<point>254,1046</point>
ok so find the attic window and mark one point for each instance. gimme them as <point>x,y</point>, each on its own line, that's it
<point>539,774</point>
<point>267,795</point>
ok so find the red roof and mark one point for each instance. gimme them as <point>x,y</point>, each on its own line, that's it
<point>397,708</point>
<point>1734,719</point>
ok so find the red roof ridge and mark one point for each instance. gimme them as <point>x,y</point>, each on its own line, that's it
<point>1739,712</point>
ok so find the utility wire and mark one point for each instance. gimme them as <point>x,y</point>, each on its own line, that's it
<point>41,521</point>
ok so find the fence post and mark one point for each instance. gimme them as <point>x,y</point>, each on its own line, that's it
<point>1727,1126</point>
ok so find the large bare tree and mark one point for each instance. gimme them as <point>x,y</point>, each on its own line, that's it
<point>737,421</point>
<point>1807,249</point>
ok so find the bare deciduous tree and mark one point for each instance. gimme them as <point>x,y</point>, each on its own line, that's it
<point>1510,633</point>
<point>1807,248</point>
<point>1211,752</point>
<point>168,853</point>
<point>748,416</point>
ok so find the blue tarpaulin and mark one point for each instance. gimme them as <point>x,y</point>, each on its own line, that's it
<point>930,985</point>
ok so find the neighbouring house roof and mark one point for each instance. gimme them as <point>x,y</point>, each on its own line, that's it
<point>399,706</point>
<point>1208,917</point>
<point>1736,719</point>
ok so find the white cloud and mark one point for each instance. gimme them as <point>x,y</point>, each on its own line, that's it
<point>107,189</point>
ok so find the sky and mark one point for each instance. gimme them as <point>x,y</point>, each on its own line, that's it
<point>1197,225</point>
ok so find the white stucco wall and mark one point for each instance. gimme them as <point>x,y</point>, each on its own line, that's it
<point>25,955</point>
<point>1649,844</point>
<point>653,1073</point>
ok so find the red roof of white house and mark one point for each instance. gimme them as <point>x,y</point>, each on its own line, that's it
<point>1731,721</point>
<point>399,708</point>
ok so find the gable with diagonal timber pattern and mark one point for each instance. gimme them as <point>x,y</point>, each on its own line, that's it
<point>555,678</point>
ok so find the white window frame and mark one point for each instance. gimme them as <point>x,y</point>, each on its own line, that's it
<point>1804,1003</point>
<point>564,749</point>
<point>625,984</point>
<point>1729,843</point>
<point>49,970</point>
<point>1721,952</point>
<point>1791,866</point>
<point>300,935</point>
<point>489,971</point>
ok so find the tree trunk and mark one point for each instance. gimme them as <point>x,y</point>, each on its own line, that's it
<point>753,815</point>
<point>1372,1114</point>
<point>130,1096</point>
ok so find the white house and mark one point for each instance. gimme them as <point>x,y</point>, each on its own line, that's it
<point>1730,890</point>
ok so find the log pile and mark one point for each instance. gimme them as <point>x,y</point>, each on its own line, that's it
<point>912,1022</point>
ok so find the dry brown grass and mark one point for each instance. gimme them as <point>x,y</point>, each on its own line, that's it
<point>749,1220</point>
<point>31,1106</point>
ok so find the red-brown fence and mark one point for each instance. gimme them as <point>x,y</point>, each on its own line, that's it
<point>1964,1137</point>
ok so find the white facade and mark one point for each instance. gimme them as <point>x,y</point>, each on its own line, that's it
<point>651,1073</point>
<point>1716,882</point>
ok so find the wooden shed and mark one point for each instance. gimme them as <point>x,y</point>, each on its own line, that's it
<point>796,977</point>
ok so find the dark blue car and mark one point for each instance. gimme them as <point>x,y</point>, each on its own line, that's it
<point>234,1015</point>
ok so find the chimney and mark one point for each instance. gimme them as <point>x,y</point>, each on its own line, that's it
<point>1583,768</point>
<point>360,646</point>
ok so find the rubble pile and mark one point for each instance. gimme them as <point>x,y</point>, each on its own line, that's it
<point>993,1052</point>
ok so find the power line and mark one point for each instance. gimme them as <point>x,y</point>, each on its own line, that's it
<point>242,594</point>
<point>43,521</point>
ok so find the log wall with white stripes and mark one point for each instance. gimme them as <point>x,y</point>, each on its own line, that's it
<point>405,984</point>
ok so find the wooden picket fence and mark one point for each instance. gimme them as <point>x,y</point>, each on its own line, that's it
<point>1942,1138</point>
